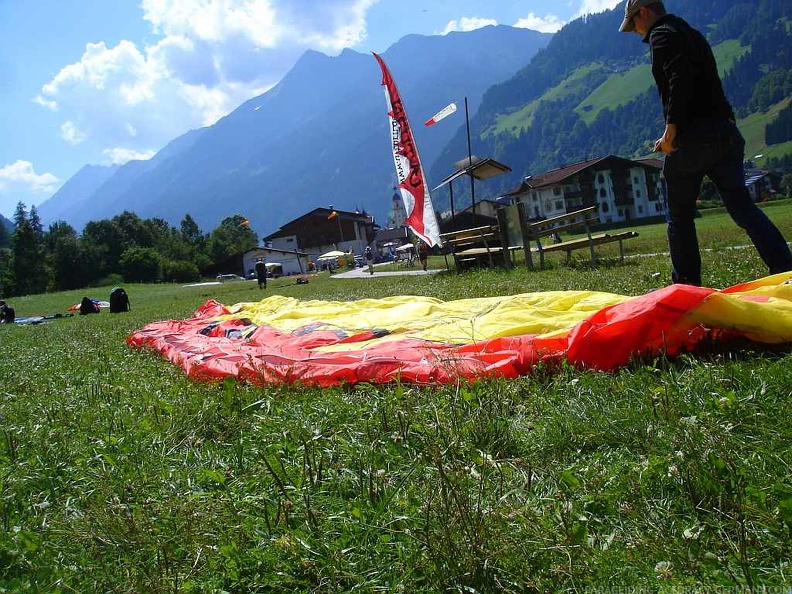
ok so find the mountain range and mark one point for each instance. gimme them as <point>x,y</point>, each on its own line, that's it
<point>536,102</point>
<point>319,137</point>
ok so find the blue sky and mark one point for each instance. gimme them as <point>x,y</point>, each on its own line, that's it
<point>105,81</point>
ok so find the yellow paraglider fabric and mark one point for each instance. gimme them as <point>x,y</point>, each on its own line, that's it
<point>421,339</point>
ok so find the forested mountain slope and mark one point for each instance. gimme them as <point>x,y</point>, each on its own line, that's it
<point>590,92</point>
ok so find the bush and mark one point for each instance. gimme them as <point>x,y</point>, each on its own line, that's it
<point>140,265</point>
<point>179,271</point>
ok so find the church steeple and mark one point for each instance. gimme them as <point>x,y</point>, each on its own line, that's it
<point>398,213</point>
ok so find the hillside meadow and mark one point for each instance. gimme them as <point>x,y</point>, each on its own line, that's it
<point>117,474</point>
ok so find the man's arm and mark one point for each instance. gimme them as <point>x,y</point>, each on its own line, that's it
<point>665,144</point>
<point>668,52</point>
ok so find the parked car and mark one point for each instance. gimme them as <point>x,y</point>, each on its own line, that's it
<point>228,277</point>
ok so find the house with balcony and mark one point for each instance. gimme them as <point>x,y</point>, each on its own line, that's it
<point>622,189</point>
<point>323,230</point>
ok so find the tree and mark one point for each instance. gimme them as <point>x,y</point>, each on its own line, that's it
<point>28,268</point>
<point>786,184</point>
<point>231,238</point>
<point>69,268</point>
<point>140,265</point>
<point>190,231</point>
<point>103,242</point>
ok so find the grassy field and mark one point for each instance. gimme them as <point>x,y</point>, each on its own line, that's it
<point>522,119</point>
<point>119,475</point>
<point>622,87</point>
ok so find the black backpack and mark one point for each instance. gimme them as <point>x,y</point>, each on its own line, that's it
<point>88,307</point>
<point>119,300</point>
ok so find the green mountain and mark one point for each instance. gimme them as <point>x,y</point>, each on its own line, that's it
<point>590,93</point>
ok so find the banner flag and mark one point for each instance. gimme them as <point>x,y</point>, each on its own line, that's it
<point>412,182</point>
<point>445,112</point>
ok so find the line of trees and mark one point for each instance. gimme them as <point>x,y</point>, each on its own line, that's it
<point>124,248</point>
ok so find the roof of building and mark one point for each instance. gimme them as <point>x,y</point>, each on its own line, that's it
<point>319,215</point>
<point>557,176</point>
<point>276,251</point>
<point>754,177</point>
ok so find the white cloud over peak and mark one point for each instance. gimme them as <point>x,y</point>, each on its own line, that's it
<point>22,177</point>
<point>119,156</point>
<point>595,6</point>
<point>549,23</point>
<point>329,25</point>
<point>467,24</point>
<point>207,57</point>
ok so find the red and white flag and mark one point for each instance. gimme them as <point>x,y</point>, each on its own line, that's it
<point>412,182</point>
<point>445,112</point>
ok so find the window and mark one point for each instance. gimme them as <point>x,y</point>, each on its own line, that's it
<point>621,214</point>
<point>601,178</point>
<point>635,180</point>
<point>637,193</point>
<point>548,205</point>
<point>640,209</point>
<point>556,191</point>
<point>605,207</point>
<point>533,195</point>
<point>603,193</point>
<point>559,205</point>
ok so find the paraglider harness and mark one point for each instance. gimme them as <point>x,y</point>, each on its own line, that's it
<point>119,300</point>
<point>87,306</point>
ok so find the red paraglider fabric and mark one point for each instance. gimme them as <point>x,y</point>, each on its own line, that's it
<point>424,340</point>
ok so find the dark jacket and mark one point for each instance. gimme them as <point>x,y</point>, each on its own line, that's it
<point>686,74</point>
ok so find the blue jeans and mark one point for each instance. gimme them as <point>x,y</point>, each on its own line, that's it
<point>715,149</point>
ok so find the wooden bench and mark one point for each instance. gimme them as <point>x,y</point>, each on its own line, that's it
<point>579,219</point>
<point>495,244</point>
<point>475,246</point>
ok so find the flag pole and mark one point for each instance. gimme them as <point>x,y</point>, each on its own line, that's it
<point>451,192</point>
<point>470,164</point>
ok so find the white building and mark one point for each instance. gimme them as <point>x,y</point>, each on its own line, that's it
<point>623,189</point>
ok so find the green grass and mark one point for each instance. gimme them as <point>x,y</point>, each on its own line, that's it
<point>753,129</point>
<point>522,119</point>
<point>619,89</point>
<point>622,87</point>
<point>119,475</point>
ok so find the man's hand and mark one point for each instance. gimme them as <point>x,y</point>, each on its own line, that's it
<point>666,143</point>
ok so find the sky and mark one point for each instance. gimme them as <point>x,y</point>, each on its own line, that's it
<point>105,81</point>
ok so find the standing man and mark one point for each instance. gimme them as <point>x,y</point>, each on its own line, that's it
<point>261,274</point>
<point>700,138</point>
<point>369,259</point>
<point>423,252</point>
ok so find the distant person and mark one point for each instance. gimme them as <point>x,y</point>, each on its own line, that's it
<point>423,253</point>
<point>369,259</point>
<point>261,274</point>
<point>7,313</point>
<point>700,138</point>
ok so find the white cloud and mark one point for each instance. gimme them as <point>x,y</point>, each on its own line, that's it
<point>467,24</point>
<point>595,6</point>
<point>119,156</point>
<point>70,133</point>
<point>22,177</point>
<point>206,58</point>
<point>549,23</point>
